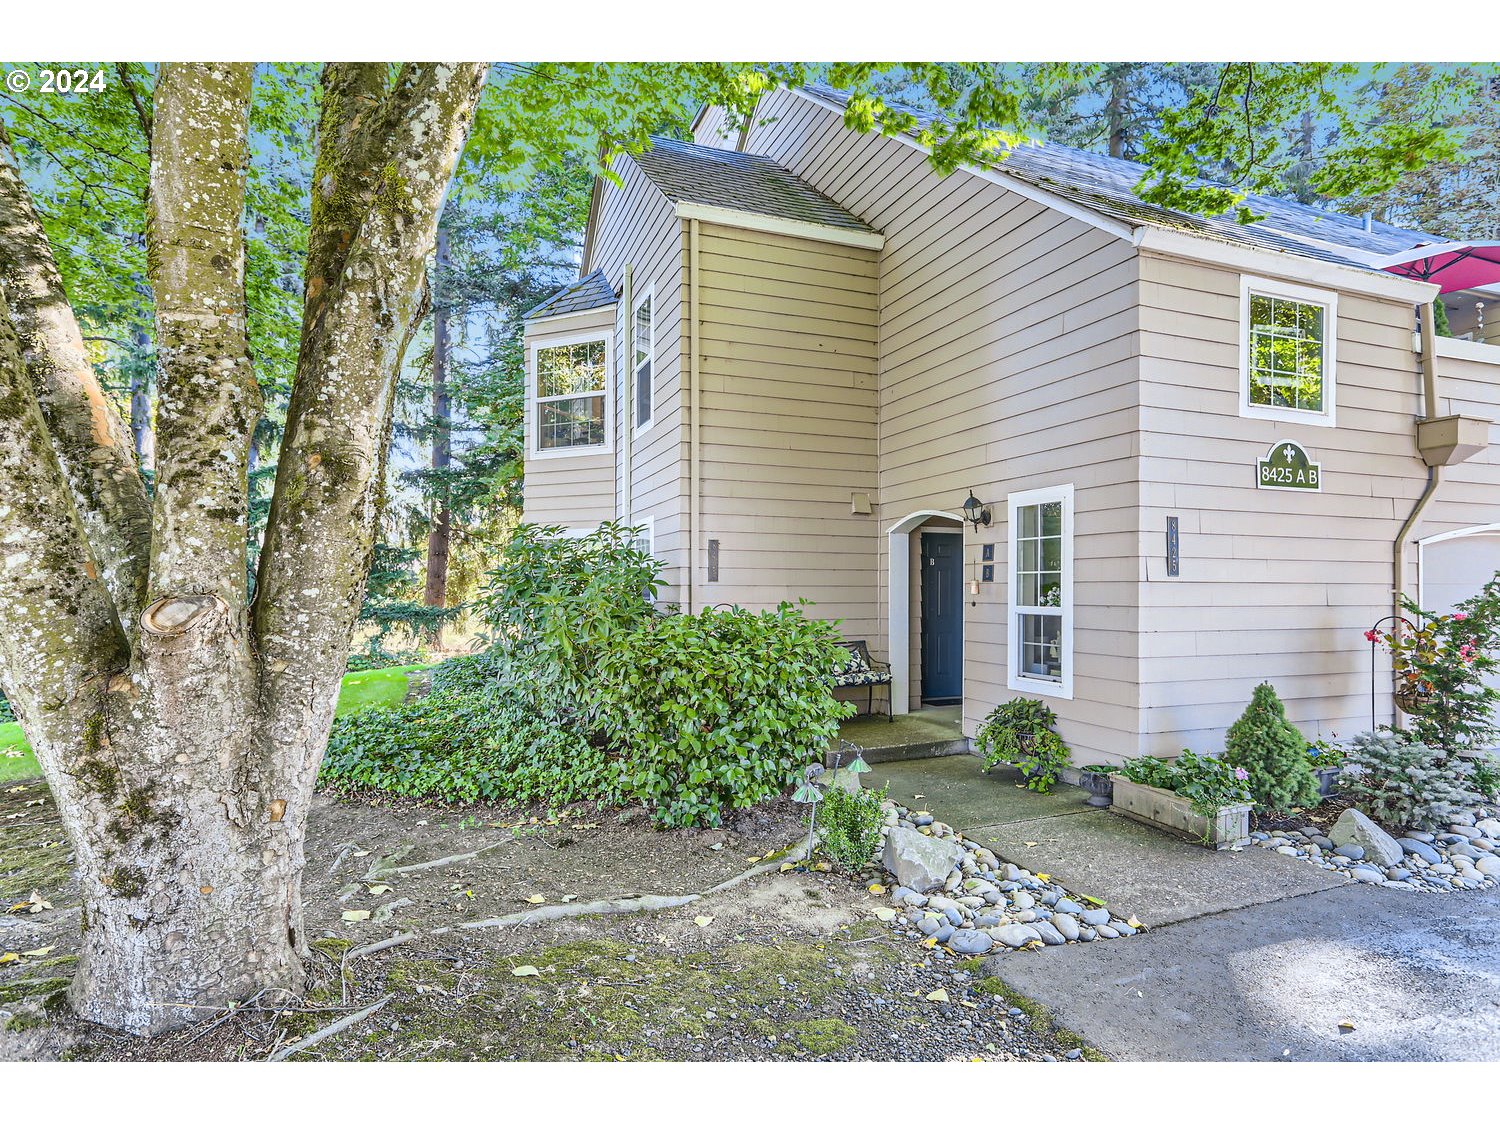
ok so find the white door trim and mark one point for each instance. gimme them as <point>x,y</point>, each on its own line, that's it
<point>898,601</point>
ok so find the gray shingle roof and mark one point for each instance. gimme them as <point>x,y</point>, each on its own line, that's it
<point>739,181</point>
<point>1106,185</point>
<point>591,292</point>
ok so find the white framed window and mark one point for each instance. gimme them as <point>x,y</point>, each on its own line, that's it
<point>646,540</point>
<point>1287,345</point>
<point>1040,528</point>
<point>643,359</point>
<point>569,393</point>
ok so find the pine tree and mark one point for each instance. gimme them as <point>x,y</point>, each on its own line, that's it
<point>1273,752</point>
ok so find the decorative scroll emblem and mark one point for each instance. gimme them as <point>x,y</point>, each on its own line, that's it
<point>1287,466</point>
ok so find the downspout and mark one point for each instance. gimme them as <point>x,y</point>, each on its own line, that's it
<point>694,413</point>
<point>1434,472</point>
<point>627,386</point>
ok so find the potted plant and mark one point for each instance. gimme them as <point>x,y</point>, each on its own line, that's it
<point>1198,798</point>
<point>1020,732</point>
<point>1327,763</point>
<point>1098,782</point>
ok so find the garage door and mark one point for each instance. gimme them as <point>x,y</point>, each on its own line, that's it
<point>1457,568</point>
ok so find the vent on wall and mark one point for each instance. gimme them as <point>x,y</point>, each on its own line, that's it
<point>713,560</point>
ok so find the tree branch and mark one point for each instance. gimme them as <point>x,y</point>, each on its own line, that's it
<point>207,399</point>
<point>91,440</point>
<point>142,110</point>
<point>344,173</point>
<point>58,628</point>
<point>321,527</point>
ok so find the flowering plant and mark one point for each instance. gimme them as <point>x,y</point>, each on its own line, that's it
<point>1442,667</point>
<point>1208,783</point>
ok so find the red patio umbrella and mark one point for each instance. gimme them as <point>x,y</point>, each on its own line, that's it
<point>1451,265</point>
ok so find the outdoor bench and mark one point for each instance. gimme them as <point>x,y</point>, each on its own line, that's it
<point>860,669</point>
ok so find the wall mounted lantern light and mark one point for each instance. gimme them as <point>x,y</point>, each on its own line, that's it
<point>975,512</point>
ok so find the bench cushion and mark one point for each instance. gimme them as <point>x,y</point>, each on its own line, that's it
<point>856,671</point>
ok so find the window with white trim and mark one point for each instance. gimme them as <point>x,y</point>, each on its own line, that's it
<point>1040,525</point>
<point>642,361</point>
<point>571,397</point>
<point>1287,351</point>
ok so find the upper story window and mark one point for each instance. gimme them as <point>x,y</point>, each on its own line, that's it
<point>1287,336</point>
<point>571,393</point>
<point>1041,591</point>
<point>642,361</point>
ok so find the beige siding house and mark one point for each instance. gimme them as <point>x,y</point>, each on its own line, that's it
<point>795,352</point>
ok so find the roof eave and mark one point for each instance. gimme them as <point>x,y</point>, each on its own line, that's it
<point>1284,264</point>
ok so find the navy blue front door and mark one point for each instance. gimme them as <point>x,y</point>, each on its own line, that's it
<point>942,618</point>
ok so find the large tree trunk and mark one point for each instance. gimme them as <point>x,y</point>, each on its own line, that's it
<point>436,593</point>
<point>181,729</point>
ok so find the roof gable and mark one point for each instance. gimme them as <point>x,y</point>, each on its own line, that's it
<point>590,292</point>
<point>739,181</point>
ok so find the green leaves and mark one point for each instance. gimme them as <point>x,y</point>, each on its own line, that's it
<point>1020,732</point>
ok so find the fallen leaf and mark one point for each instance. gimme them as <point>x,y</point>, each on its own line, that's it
<point>919,796</point>
<point>526,971</point>
<point>823,866</point>
<point>7,958</point>
<point>356,915</point>
<point>930,943</point>
<point>380,888</point>
<point>1134,921</point>
<point>752,859</point>
<point>788,867</point>
<point>1029,843</point>
<point>876,889</point>
<point>1347,1025</point>
<point>536,899</point>
<point>938,996</point>
<point>703,919</point>
<point>42,952</point>
<point>1044,877</point>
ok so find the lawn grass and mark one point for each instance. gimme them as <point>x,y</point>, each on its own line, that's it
<point>380,687</point>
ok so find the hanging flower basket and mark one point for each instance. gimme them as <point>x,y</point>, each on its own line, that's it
<point>1409,698</point>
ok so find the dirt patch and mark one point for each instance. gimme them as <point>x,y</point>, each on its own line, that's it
<point>782,966</point>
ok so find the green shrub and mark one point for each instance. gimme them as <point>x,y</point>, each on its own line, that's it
<point>557,603</point>
<point>1484,777</point>
<point>849,825</point>
<point>6,714</point>
<point>463,747</point>
<point>1403,782</point>
<point>1273,752</point>
<point>591,692</point>
<point>1208,783</point>
<point>1446,662</point>
<point>715,711</point>
<point>1020,732</point>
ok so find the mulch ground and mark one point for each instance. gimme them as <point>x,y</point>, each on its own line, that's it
<point>783,966</point>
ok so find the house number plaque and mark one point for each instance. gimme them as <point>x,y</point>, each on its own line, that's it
<point>1287,466</point>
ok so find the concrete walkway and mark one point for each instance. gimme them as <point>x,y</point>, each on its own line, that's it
<point>1248,955</point>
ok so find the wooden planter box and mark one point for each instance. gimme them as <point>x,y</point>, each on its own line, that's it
<point>1174,814</point>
